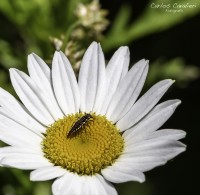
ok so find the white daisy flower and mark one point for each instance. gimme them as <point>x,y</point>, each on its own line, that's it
<point>86,134</point>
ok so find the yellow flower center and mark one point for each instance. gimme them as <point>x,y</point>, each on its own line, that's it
<point>92,144</point>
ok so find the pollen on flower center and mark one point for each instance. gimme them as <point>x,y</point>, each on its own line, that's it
<point>96,145</point>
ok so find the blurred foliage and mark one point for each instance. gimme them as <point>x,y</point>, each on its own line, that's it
<point>41,26</point>
<point>175,69</point>
<point>152,20</point>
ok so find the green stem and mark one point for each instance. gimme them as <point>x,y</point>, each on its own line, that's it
<point>68,33</point>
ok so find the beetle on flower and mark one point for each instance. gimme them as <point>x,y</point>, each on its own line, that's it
<point>120,143</point>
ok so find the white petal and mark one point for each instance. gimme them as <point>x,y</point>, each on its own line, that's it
<point>151,153</point>
<point>64,184</point>
<point>154,120</point>
<point>15,134</point>
<point>74,184</point>
<point>115,71</point>
<point>65,84</point>
<point>154,146</point>
<point>170,134</point>
<point>107,185</point>
<point>144,104</point>
<point>139,163</point>
<point>125,64</point>
<point>118,173</point>
<point>26,90</point>
<point>100,186</point>
<point>92,79</point>
<point>12,117</point>
<point>40,74</point>
<point>35,62</point>
<point>25,161</point>
<point>13,139</point>
<point>8,150</point>
<point>47,173</point>
<point>90,185</point>
<point>128,91</point>
<point>16,111</point>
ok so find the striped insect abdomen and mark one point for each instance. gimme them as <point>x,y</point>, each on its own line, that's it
<point>79,124</point>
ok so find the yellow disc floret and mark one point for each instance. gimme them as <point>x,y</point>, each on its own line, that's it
<point>95,145</point>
